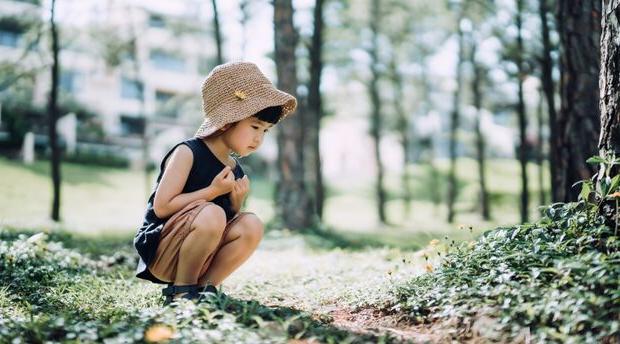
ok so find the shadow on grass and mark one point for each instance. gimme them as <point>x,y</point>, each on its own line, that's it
<point>331,239</point>
<point>91,245</point>
<point>298,324</point>
<point>72,173</point>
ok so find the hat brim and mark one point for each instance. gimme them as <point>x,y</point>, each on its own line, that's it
<point>231,112</point>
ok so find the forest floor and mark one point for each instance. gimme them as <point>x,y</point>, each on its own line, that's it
<point>291,290</point>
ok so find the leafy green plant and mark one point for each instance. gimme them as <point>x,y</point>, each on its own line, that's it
<point>602,191</point>
<point>558,278</point>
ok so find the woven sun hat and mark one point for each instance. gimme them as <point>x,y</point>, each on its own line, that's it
<point>237,90</point>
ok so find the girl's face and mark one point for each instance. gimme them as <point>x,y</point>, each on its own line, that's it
<point>246,136</point>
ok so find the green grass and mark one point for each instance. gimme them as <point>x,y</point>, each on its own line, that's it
<point>103,200</point>
<point>285,291</point>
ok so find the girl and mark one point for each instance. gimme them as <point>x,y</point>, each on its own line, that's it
<point>193,234</point>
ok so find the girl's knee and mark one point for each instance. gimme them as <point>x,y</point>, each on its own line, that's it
<point>252,228</point>
<point>210,221</point>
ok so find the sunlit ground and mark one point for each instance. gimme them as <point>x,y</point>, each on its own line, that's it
<point>98,199</point>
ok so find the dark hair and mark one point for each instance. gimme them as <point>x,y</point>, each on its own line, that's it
<point>270,114</point>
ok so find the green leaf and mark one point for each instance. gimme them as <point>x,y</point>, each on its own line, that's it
<point>615,183</point>
<point>595,160</point>
<point>585,191</point>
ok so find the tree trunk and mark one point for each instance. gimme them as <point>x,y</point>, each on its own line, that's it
<point>454,119</point>
<point>245,17</point>
<point>293,202</point>
<point>578,122</point>
<point>480,142</point>
<point>435,182</point>
<point>609,82</point>
<point>144,134</point>
<point>218,34</point>
<point>609,140</point>
<point>403,131</point>
<point>376,123</point>
<point>315,108</point>
<point>540,153</point>
<point>549,90</point>
<point>52,110</point>
<point>522,118</point>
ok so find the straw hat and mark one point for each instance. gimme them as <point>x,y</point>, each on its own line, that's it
<point>236,90</point>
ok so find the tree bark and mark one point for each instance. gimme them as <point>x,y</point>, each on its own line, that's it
<point>609,82</point>
<point>217,32</point>
<point>546,64</point>
<point>52,109</point>
<point>480,142</point>
<point>609,140</point>
<point>315,107</point>
<point>376,123</point>
<point>455,118</point>
<point>578,122</point>
<point>522,118</point>
<point>540,152</point>
<point>403,131</point>
<point>294,206</point>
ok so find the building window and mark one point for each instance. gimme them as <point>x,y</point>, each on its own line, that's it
<point>164,60</point>
<point>9,39</point>
<point>166,106</point>
<point>157,21</point>
<point>132,124</point>
<point>131,89</point>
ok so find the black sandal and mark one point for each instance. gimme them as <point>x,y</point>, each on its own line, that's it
<point>192,292</point>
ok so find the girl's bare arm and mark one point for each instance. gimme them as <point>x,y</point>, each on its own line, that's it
<point>168,198</point>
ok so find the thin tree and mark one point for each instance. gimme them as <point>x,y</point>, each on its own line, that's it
<point>455,115</point>
<point>476,82</point>
<point>522,152</point>
<point>578,122</point>
<point>52,110</point>
<point>294,205</point>
<point>217,32</point>
<point>244,6</point>
<point>540,152</point>
<point>403,129</point>
<point>376,123</point>
<point>315,106</point>
<point>134,46</point>
<point>546,66</point>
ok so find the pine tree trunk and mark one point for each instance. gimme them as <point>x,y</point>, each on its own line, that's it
<point>578,122</point>
<point>315,108</point>
<point>522,119</point>
<point>293,202</point>
<point>376,124</point>
<point>217,32</point>
<point>609,140</point>
<point>52,110</point>
<point>542,200</point>
<point>454,120</point>
<point>480,142</point>
<point>549,90</point>
<point>609,82</point>
<point>403,131</point>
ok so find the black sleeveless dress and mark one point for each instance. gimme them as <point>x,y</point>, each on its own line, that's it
<point>204,169</point>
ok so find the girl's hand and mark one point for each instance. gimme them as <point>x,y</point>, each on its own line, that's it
<point>224,181</point>
<point>239,192</point>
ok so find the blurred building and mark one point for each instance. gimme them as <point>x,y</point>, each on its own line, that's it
<point>135,64</point>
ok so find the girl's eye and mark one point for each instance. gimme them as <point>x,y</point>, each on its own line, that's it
<point>255,127</point>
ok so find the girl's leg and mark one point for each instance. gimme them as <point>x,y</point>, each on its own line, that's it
<point>207,229</point>
<point>240,242</point>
